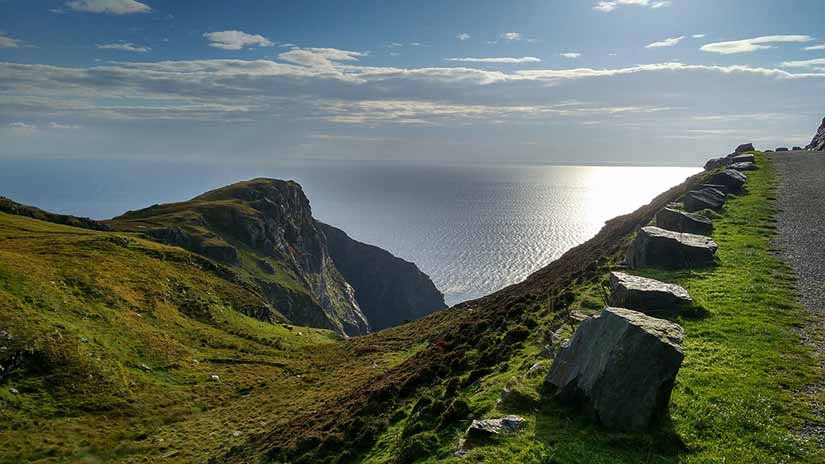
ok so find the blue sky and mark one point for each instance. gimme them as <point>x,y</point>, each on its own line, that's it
<point>566,81</point>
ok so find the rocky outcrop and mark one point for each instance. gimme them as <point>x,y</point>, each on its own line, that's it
<point>706,198</point>
<point>645,295</point>
<point>818,142</point>
<point>739,155</point>
<point>264,230</point>
<point>656,247</point>
<point>733,180</point>
<point>748,158</point>
<point>388,289</point>
<point>621,367</point>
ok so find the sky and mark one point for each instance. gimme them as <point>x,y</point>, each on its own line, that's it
<point>639,82</point>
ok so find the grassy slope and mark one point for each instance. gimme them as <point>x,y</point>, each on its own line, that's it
<point>733,401</point>
<point>90,309</point>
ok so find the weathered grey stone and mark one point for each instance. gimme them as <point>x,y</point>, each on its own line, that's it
<point>658,247</point>
<point>733,180</point>
<point>782,149</point>
<point>745,147</point>
<point>818,143</point>
<point>645,295</point>
<point>748,158</point>
<point>680,221</point>
<point>797,148</point>
<point>487,427</point>
<point>744,166</point>
<point>716,163</point>
<point>722,188</point>
<point>621,367</point>
<point>707,198</point>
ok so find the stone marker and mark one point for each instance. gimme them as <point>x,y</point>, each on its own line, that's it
<point>680,221</point>
<point>716,163</point>
<point>707,198</point>
<point>744,166</point>
<point>621,366</point>
<point>733,180</point>
<point>643,294</point>
<point>745,147</point>
<point>663,248</point>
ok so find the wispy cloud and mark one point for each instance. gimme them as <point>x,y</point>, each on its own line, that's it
<point>666,43</point>
<point>325,58</point>
<point>505,60</point>
<point>608,6</point>
<point>8,42</point>
<point>699,36</point>
<point>115,7</point>
<point>752,45</point>
<point>815,47</point>
<point>463,36</point>
<point>21,128</point>
<point>570,55</point>
<point>511,36</point>
<point>124,47</point>
<point>236,40</point>
<point>805,63</point>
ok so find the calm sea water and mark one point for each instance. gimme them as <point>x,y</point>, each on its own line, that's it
<point>473,228</point>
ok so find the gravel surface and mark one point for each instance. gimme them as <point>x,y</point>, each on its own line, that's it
<point>801,243</point>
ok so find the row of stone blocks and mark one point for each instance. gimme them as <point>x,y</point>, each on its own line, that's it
<point>621,365</point>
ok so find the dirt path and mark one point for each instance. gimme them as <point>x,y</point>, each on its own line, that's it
<point>801,242</point>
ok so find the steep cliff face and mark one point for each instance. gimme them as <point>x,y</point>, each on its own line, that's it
<point>265,229</point>
<point>818,143</point>
<point>389,289</point>
<point>313,274</point>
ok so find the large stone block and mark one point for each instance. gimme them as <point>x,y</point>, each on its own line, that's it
<point>680,221</point>
<point>621,367</point>
<point>645,295</point>
<point>657,247</point>
<point>706,198</point>
<point>733,180</point>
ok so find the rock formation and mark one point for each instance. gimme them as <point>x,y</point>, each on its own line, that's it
<point>644,295</point>
<point>739,155</point>
<point>818,143</point>
<point>706,198</point>
<point>620,366</point>
<point>658,247</point>
<point>264,230</point>
<point>744,148</point>
<point>388,289</point>
<point>744,166</point>
<point>12,207</point>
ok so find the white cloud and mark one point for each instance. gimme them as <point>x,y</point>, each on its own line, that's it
<point>55,125</point>
<point>666,43</point>
<point>463,36</point>
<point>699,36</point>
<point>752,45</point>
<point>570,55</point>
<point>505,60</point>
<point>236,40</point>
<point>116,7</point>
<point>608,6</point>
<point>815,47</point>
<point>124,47</point>
<point>804,64</point>
<point>319,57</point>
<point>8,42</point>
<point>512,36</point>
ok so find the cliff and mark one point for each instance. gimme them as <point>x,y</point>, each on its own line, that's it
<point>818,143</point>
<point>389,289</point>
<point>264,230</point>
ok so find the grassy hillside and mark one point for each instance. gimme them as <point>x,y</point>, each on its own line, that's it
<point>114,339</point>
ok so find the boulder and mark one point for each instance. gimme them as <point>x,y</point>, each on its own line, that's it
<point>707,198</point>
<point>680,221</point>
<point>644,295</point>
<point>733,180</point>
<point>487,427</point>
<point>818,143</point>
<point>621,367</point>
<point>722,188</point>
<point>744,167</point>
<point>658,247</point>
<point>716,163</point>
<point>745,147</point>
<point>743,159</point>
<point>782,149</point>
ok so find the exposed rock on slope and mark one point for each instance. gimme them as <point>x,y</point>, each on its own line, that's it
<point>264,229</point>
<point>388,289</point>
<point>818,143</point>
<point>12,207</point>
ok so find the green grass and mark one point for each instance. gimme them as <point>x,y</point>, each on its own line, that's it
<point>734,400</point>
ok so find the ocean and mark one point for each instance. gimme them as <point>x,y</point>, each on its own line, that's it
<point>472,228</point>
